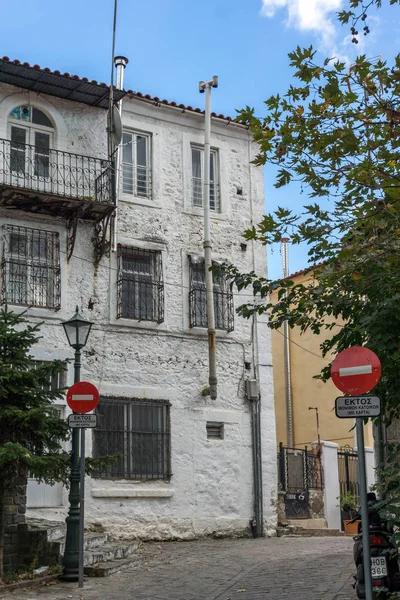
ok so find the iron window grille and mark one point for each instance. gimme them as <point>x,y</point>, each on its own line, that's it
<point>140,284</point>
<point>58,381</point>
<point>197,178</point>
<point>140,431</point>
<point>31,267</point>
<point>223,298</point>
<point>136,165</point>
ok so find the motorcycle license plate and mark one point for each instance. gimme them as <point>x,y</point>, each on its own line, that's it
<point>378,566</point>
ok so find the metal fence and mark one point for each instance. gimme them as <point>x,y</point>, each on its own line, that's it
<point>54,172</point>
<point>348,471</point>
<point>299,468</point>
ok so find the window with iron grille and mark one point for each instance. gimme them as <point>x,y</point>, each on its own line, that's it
<point>223,297</point>
<point>58,381</point>
<point>197,178</point>
<point>140,431</point>
<point>31,267</point>
<point>140,284</point>
<point>136,164</point>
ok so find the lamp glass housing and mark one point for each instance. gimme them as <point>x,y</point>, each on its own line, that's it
<point>77,330</point>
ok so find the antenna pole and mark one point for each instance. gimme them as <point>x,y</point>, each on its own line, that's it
<point>110,112</point>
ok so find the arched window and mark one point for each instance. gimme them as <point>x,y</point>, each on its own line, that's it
<point>31,135</point>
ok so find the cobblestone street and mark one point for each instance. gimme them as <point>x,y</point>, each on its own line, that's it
<point>270,569</point>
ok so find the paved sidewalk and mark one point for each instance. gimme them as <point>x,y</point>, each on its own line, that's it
<point>262,569</point>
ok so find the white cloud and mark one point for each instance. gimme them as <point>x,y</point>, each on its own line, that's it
<point>308,15</point>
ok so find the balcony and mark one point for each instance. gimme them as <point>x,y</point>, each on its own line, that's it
<point>52,182</point>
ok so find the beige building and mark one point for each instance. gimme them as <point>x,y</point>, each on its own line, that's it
<point>306,361</point>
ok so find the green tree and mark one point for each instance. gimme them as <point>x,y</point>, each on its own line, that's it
<point>31,432</point>
<point>336,132</point>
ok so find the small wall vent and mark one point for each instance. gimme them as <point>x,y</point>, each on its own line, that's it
<point>215,431</point>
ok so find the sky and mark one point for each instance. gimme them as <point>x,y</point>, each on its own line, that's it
<point>173,44</point>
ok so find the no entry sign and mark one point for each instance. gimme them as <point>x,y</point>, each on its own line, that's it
<point>356,370</point>
<point>82,397</point>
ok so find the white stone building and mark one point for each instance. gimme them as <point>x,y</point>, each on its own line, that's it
<point>188,466</point>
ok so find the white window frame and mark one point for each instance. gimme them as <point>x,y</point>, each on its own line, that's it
<point>136,192</point>
<point>197,182</point>
<point>30,142</point>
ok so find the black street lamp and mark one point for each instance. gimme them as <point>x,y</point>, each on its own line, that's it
<point>77,330</point>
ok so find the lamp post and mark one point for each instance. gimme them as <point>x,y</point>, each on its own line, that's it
<point>77,330</point>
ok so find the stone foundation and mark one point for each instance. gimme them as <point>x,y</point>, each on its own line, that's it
<point>14,517</point>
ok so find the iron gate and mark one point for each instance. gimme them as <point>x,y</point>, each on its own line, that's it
<point>348,471</point>
<point>293,471</point>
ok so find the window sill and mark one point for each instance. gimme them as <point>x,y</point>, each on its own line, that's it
<point>131,493</point>
<point>199,212</point>
<point>35,311</point>
<point>141,201</point>
<point>203,332</point>
<point>125,322</point>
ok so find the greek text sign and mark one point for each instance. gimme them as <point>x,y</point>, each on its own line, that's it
<point>350,407</point>
<point>81,421</point>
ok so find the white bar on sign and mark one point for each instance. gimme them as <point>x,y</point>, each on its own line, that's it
<point>82,396</point>
<point>359,370</point>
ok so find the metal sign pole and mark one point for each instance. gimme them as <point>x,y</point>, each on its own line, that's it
<point>364,508</point>
<point>82,513</point>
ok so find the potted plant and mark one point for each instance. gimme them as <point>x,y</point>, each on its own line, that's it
<point>349,503</point>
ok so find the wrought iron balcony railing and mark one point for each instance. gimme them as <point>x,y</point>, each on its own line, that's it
<point>55,173</point>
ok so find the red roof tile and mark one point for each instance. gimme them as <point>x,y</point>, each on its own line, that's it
<point>158,102</point>
<point>130,93</point>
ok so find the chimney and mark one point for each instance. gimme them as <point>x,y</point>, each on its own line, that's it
<point>120,64</point>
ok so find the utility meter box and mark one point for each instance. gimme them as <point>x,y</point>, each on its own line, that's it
<point>252,391</point>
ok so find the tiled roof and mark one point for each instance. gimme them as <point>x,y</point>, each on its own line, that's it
<point>304,271</point>
<point>80,89</point>
<point>158,102</point>
<point>55,83</point>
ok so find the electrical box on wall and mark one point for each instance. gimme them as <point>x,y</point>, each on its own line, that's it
<point>252,389</point>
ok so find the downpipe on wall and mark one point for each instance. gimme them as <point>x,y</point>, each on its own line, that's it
<point>205,86</point>
<point>254,397</point>
<point>257,522</point>
<point>286,355</point>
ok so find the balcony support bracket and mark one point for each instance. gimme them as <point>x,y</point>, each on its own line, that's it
<point>72,225</point>
<point>102,241</point>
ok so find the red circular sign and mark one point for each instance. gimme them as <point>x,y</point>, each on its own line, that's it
<point>83,397</point>
<point>356,370</point>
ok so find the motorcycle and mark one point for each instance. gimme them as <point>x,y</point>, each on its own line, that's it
<point>384,555</point>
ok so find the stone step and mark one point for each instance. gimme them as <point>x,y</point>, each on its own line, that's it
<point>55,529</point>
<point>113,566</point>
<point>110,552</point>
<point>92,540</point>
<point>300,532</point>
<point>307,523</point>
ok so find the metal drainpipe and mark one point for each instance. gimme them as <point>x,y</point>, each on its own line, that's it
<point>120,64</point>
<point>205,86</point>
<point>286,355</point>
<point>379,441</point>
<point>256,404</point>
